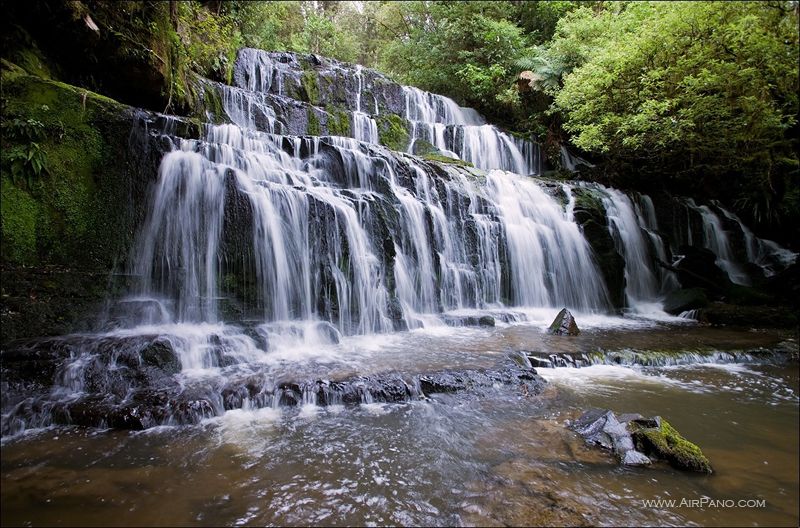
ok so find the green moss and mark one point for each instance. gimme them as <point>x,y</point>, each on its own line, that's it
<point>65,215</point>
<point>313,127</point>
<point>310,88</point>
<point>18,214</point>
<point>393,131</point>
<point>338,122</point>
<point>209,105</point>
<point>446,159</point>
<point>666,443</point>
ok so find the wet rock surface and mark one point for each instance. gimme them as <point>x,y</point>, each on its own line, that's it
<point>137,383</point>
<point>564,324</point>
<point>639,441</point>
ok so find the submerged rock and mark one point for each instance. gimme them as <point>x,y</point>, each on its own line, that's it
<point>637,441</point>
<point>564,324</point>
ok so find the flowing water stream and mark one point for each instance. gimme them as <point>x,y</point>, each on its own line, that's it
<point>495,456</point>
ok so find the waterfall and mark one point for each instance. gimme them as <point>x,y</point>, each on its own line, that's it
<point>455,131</point>
<point>364,127</point>
<point>462,133</point>
<point>646,216</point>
<point>766,254</point>
<point>641,284</point>
<point>321,212</point>
<point>715,238</point>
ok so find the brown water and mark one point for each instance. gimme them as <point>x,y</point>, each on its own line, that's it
<point>496,458</point>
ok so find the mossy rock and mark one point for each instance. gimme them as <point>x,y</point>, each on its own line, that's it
<point>441,158</point>
<point>65,228</point>
<point>393,132</point>
<point>338,122</point>
<point>666,443</point>
<point>313,127</point>
<point>65,213</point>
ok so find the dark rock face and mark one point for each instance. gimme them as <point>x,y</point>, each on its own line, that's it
<point>687,299</point>
<point>591,216</point>
<point>719,313</point>
<point>564,324</point>
<point>697,269</point>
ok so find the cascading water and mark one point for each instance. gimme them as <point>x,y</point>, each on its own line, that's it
<point>364,127</point>
<point>715,238</point>
<point>455,131</point>
<point>462,133</point>
<point>766,254</point>
<point>642,286</point>
<point>646,215</point>
<point>259,240</point>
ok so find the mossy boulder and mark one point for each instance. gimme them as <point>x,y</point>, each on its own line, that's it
<point>664,442</point>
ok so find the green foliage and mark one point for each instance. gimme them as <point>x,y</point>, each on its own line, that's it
<point>702,92</point>
<point>463,49</point>
<point>313,128</point>
<point>26,160</point>
<point>59,215</point>
<point>338,123</point>
<point>320,35</point>
<point>440,158</point>
<point>310,88</point>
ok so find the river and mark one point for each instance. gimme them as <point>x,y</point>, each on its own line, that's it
<point>494,456</point>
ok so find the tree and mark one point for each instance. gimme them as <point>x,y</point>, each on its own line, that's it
<point>704,93</point>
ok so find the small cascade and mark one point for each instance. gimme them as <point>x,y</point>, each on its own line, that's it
<point>642,285</point>
<point>766,254</point>
<point>364,127</point>
<point>631,358</point>
<point>715,238</point>
<point>455,131</point>
<point>462,132</point>
<point>646,215</point>
<point>549,256</point>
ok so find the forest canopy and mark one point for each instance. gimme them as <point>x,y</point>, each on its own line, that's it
<point>691,97</point>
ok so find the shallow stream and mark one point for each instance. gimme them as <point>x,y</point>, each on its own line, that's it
<point>497,456</point>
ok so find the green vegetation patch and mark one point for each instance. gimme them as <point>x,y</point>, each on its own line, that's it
<point>666,443</point>
<point>338,123</point>
<point>393,131</point>
<point>310,88</point>
<point>441,158</point>
<point>62,208</point>
<point>313,128</point>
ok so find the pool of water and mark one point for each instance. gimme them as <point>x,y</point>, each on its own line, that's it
<point>498,456</point>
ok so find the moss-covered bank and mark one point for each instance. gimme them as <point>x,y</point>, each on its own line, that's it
<point>73,211</point>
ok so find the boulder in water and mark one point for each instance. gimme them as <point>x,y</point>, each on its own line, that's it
<point>638,441</point>
<point>680,301</point>
<point>564,324</point>
<point>602,427</point>
<point>661,440</point>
